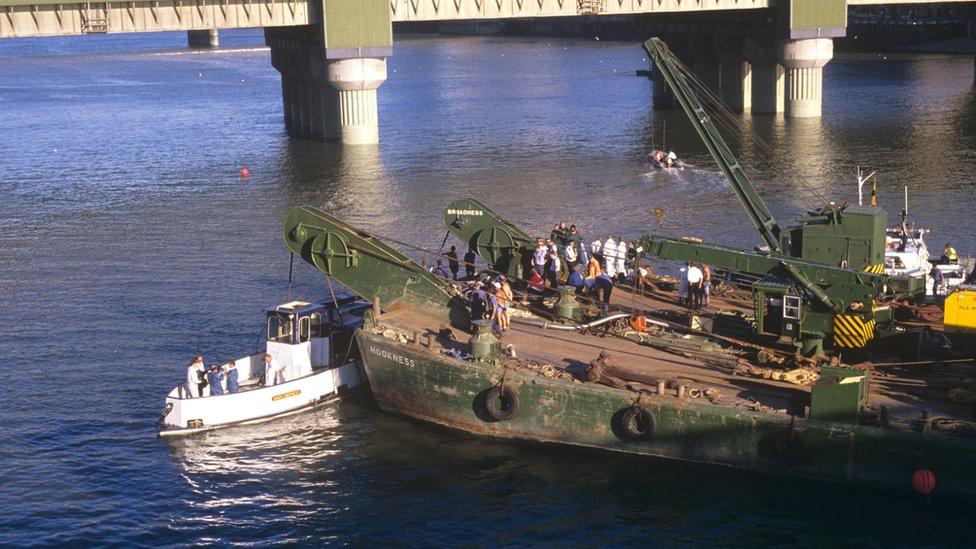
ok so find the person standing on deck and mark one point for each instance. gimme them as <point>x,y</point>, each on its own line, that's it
<point>683,284</point>
<point>452,261</point>
<point>569,254</point>
<point>539,256</point>
<point>195,378</point>
<point>440,271</point>
<point>469,258</point>
<point>695,277</point>
<point>949,254</point>
<point>214,378</point>
<point>576,277</point>
<point>507,290</point>
<point>621,263</point>
<point>479,302</point>
<point>552,270</point>
<point>500,315</point>
<point>610,256</point>
<point>596,246</point>
<point>706,284</point>
<point>937,280</point>
<point>230,371</point>
<point>272,371</point>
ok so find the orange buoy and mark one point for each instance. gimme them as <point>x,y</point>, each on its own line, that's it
<point>924,481</point>
<point>245,173</point>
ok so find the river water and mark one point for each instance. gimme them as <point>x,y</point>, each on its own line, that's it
<point>128,243</point>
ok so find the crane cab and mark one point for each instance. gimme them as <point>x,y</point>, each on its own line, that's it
<point>779,308</point>
<point>852,237</point>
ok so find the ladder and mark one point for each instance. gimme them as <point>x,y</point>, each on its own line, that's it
<point>590,7</point>
<point>94,21</point>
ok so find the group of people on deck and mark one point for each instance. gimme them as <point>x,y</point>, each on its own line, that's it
<point>223,379</point>
<point>493,302</point>
<point>453,265</point>
<point>694,285</point>
<point>592,269</point>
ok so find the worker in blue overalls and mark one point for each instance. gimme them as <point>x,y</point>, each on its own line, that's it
<point>213,379</point>
<point>231,372</point>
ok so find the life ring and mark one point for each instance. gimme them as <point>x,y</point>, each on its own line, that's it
<point>637,422</point>
<point>501,403</point>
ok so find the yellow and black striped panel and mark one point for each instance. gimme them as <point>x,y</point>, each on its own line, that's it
<point>852,332</point>
<point>875,269</point>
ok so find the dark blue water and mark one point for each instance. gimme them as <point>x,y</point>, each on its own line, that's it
<point>128,243</point>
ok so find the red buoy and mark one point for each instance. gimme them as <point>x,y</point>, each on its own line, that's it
<point>924,481</point>
<point>245,173</point>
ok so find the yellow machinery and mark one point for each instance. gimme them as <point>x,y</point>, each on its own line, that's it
<point>960,311</point>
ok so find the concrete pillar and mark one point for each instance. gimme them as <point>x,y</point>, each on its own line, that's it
<point>356,82</point>
<point>202,38</point>
<point>768,89</point>
<point>704,64</point>
<point>286,104</point>
<point>735,72</point>
<point>768,76</point>
<point>804,61</point>
<point>736,78</point>
<point>325,98</point>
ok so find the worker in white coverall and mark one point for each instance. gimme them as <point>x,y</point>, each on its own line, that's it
<point>621,266</point>
<point>610,257</point>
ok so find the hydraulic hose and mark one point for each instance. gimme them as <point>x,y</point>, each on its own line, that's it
<point>549,325</point>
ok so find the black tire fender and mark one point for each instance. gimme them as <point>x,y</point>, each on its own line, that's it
<point>637,422</point>
<point>501,403</point>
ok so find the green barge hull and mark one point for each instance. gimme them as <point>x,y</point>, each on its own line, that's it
<point>410,380</point>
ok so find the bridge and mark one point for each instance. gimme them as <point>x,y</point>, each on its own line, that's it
<point>766,56</point>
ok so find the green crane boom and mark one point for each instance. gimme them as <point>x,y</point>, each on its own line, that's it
<point>367,266</point>
<point>834,288</point>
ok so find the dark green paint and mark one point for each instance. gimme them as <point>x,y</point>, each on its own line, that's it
<point>448,392</point>
<point>367,266</point>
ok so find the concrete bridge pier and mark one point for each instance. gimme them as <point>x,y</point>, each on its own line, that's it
<point>330,71</point>
<point>735,73</point>
<point>203,38</point>
<point>704,63</point>
<point>325,98</point>
<point>768,76</point>
<point>804,61</point>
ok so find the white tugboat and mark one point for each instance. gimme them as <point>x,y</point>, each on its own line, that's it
<point>311,345</point>
<point>906,253</point>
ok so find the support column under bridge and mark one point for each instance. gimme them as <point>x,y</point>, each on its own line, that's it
<point>330,72</point>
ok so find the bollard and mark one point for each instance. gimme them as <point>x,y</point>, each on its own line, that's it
<point>430,342</point>
<point>661,385</point>
<point>883,416</point>
<point>681,391</point>
<point>376,307</point>
<point>416,338</point>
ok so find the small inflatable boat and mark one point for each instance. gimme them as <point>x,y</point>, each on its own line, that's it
<point>664,161</point>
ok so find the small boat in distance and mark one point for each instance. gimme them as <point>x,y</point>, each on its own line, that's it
<point>662,160</point>
<point>311,343</point>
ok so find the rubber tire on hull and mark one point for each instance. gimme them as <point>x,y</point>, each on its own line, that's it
<point>637,422</point>
<point>501,403</point>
